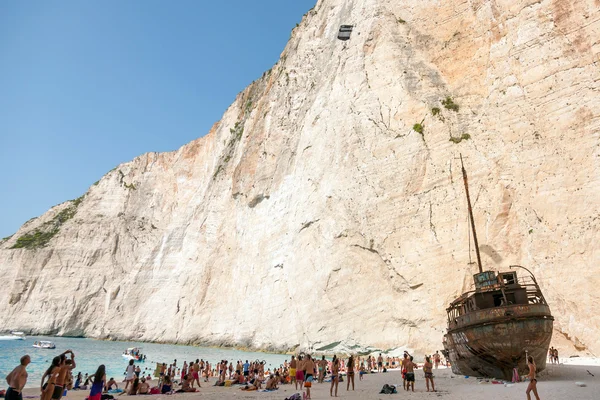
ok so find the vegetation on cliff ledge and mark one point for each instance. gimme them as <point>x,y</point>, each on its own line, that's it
<point>40,237</point>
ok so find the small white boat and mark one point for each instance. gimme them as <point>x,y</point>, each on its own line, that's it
<point>44,344</point>
<point>13,336</point>
<point>133,353</point>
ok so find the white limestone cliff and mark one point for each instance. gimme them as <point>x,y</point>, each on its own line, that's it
<point>313,213</point>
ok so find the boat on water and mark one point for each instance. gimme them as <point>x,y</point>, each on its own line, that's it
<point>493,328</point>
<point>13,336</point>
<point>134,353</point>
<point>44,344</point>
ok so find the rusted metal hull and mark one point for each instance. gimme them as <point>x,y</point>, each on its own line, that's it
<point>493,342</point>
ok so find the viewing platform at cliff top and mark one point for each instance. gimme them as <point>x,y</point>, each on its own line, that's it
<point>564,381</point>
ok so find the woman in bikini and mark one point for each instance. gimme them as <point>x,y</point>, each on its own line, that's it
<point>428,369</point>
<point>532,379</point>
<point>52,374</point>
<point>350,373</point>
<point>335,375</point>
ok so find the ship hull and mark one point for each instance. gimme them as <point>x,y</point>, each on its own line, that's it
<point>493,348</point>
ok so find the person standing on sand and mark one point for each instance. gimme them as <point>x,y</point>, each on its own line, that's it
<point>98,383</point>
<point>47,388</point>
<point>300,371</point>
<point>293,365</point>
<point>350,373</point>
<point>17,379</point>
<point>380,363</point>
<point>428,373</point>
<point>436,359</point>
<point>335,375</point>
<point>129,374</point>
<point>246,367</point>
<point>322,369</point>
<point>532,379</point>
<point>196,373</point>
<point>403,369</point>
<point>65,369</point>
<point>309,367</point>
<point>410,374</point>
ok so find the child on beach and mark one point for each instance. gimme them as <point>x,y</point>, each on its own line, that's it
<point>362,370</point>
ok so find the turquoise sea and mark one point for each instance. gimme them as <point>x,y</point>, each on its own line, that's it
<point>89,354</point>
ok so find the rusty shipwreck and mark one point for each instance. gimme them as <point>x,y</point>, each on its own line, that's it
<point>492,328</point>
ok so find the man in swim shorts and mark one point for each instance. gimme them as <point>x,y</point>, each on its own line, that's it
<point>17,379</point>
<point>410,374</point>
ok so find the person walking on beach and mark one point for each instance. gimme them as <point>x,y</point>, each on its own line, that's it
<point>428,373</point>
<point>532,379</point>
<point>17,379</point>
<point>350,373</point>
<point>98,383</point>
<point>335,375</point>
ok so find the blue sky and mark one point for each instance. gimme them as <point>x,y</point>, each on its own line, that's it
<point>87,85</point>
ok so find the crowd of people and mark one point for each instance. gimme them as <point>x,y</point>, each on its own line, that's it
<point>301,371</point>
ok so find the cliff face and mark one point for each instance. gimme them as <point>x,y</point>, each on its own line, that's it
<point>314,212</point>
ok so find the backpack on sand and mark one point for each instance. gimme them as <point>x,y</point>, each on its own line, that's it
<point>388,389</point>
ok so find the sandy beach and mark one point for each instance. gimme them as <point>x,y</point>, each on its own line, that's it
<point>557,382</point>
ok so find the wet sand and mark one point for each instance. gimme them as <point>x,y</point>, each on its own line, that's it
<point>557,382</point>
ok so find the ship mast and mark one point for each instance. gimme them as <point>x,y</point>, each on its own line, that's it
<point>464,172</point>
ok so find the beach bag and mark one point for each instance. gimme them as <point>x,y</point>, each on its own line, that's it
<point>307,384</point>
<point>295,396</point>
<point>388,389</point>
<point>155,390</point>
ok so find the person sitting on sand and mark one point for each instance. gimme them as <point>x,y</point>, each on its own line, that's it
<point>109,385</point>
<point>427,368</point>
<point>144,387</point>
<point>186,385</point>
<point>166,387</point>
<point>271,383</point>
<point>133,390</point>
